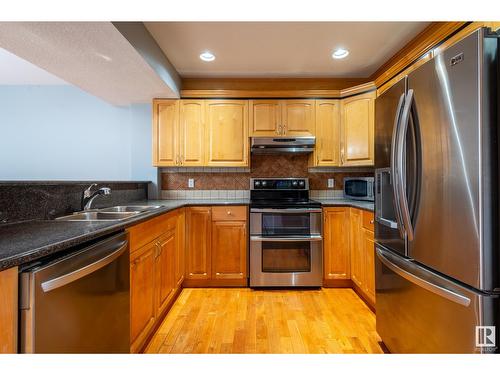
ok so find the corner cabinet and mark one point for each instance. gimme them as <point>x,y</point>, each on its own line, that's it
<point>277,118</point>
<point>227,133</point>
<point>191,133</point>
<point>357,130</point>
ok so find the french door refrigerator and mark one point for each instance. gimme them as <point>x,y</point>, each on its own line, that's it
<point>437,207</point>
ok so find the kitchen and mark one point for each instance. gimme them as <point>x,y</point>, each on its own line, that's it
<point>190,195</point>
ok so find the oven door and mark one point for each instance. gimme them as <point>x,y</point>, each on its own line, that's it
<point>269,222</point>
<point>286,261</point>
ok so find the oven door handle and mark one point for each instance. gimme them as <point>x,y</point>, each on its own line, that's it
<point>287,210</point>
<point>286,239</point>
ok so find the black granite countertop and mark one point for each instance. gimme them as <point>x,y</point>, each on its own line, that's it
<point>27,241</point>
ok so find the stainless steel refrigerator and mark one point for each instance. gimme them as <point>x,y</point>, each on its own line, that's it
<point>437,207</point>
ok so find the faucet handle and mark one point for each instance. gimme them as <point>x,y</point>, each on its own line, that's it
<point>105,190</point>
<point>86,192</point>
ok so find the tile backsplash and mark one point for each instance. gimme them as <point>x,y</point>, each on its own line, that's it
<point>174,181</point>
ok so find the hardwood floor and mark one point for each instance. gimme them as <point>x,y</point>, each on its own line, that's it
<point>217,320</point>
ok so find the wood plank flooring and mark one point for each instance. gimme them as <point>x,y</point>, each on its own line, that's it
<point>220,320</point>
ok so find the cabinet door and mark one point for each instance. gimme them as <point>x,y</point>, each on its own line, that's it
<point>298,117</point>
<point>357,247</point>
<point>192,132</point>
<point>369,256</point>
<point>8,310</point>
<point>165,270</point>
<point>142,294</point>
<point>198,241</point>
<point>265,116</point>
<point>181,249</point>
<point>357,118</point>
<point>229,250</point>
<point>327,150</point>
<point>165,132</point>
<point>336,243</point>
<point>227,133</point>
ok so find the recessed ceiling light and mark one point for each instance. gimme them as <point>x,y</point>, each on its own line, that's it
<point>340,53</point>
<point>207,56</point>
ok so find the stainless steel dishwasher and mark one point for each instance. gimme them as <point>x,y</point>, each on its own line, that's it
<point>79,302</point>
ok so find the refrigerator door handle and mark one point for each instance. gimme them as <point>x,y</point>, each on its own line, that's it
<point>393,172</point>
<point>420,277</point>
<point>400,184</point>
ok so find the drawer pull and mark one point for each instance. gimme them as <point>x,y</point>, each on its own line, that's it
<point>229,213</point>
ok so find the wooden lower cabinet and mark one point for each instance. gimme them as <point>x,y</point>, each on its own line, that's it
<point>349,250</point>
<point>217,250</point>
<point>337,264</point>
<point>198,249</point>
<point>229,250</point>
<point>8,310</point>
<point>156,272</point>
<point>142,294</point>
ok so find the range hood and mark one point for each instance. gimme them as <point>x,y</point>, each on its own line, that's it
<point>282,145</point>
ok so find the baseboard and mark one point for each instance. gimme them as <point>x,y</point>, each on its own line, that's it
<point>337,283</point>
<point>363,296</point>
<point>228,283</point>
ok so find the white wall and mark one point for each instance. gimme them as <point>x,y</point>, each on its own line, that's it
<point>62,133</point>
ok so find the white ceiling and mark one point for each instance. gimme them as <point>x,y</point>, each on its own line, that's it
<point>94,56</point>
<point>16,71</point>
<point>281,49</point>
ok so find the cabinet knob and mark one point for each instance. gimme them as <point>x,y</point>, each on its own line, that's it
<point>371,221</point>
<point>229,213</point>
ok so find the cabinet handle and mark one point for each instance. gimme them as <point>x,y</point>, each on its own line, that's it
<point>342,157</point>
<point>284,129</point>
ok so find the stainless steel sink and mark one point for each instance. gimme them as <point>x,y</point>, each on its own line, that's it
<point>98,216</point>
<point>129,208</point>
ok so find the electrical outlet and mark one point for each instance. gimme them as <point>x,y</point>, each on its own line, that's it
<point>331,183</point>
<point>191,183</point>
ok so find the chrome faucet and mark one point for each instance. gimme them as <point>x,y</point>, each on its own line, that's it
<point>88,196</point>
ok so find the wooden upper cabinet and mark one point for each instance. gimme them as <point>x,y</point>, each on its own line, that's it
<point>327,150</point>
<point>358,123</point>
<point>198,243</point>
<point>142,294</point>
<point>229,250</point>
<point>227,133</point>
<point>165,132</point>
<point>265,117</point>
<point>357,247</point>
<point>192,132</point>
<point>336,243</point>
<point>298,117</point>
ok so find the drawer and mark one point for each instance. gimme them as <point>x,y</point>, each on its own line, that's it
<point>228,213</point>
<point>368,220</point>
<point>147,231</point>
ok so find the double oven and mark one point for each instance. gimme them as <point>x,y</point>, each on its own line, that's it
<point>285,234</point>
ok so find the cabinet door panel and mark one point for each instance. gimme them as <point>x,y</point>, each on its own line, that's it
<point>181,248</point>
<point>165,270</point>
<point>265,116</point>
<point>357,247</point>
<point>369,255</point>
<point>8,310</point>
<point>298,117</point>
<point>198,252</point>
<point>165,132</point>
<point>229,250</point>
<point>192,135</point>
<point>227,133</point>
<point>358,130</point>
<point>336,243</point>
<point>142,294</point>
<point>327,149</point>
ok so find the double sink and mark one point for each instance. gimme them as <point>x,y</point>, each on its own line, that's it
<point>115,213</point>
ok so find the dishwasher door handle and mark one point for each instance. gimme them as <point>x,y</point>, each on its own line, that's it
<point>111,254</point>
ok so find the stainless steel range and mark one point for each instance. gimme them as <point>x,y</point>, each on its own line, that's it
<point>285,234</point>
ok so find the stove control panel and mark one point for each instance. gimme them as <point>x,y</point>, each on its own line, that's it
<point>279,184</point>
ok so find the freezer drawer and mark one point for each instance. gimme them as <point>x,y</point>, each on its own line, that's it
<point>422,312</point>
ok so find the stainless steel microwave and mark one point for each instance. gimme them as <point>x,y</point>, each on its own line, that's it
<point>360,188</point>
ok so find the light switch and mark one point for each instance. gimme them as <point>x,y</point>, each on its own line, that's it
<point>191,183</point>
<point>331,183</point>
